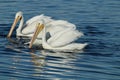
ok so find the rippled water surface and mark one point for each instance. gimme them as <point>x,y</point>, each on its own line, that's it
<point>100,60</point>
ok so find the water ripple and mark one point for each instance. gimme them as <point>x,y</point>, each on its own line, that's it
<point>98,61</point>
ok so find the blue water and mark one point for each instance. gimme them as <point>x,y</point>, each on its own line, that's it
<point>99,20</point>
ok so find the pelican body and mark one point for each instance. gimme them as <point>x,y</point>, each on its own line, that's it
<point>27,29</point>
<point>58,42</point>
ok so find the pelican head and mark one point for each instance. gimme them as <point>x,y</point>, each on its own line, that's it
<point>39,28</point>
<point>18,17</point>
<point>18,14</point>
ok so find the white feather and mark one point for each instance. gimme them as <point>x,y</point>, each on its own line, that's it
<point>64,37</point>
<point>30,25</point>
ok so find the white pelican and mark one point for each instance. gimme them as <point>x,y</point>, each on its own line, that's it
<point>29,27</point>
<point>53,40</point>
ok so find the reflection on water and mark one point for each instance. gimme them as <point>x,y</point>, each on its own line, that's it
<point>99,20</point>
<point>38,63</point>
<point>23,63</point>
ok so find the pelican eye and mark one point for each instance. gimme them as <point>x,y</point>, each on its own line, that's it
<point>20,17</point>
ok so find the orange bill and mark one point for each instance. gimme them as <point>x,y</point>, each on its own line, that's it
<point>13,26</point>
<point>37,31</point>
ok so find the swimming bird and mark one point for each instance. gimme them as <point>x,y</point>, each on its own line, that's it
<point>27,29</point>
<point>50,43</point>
